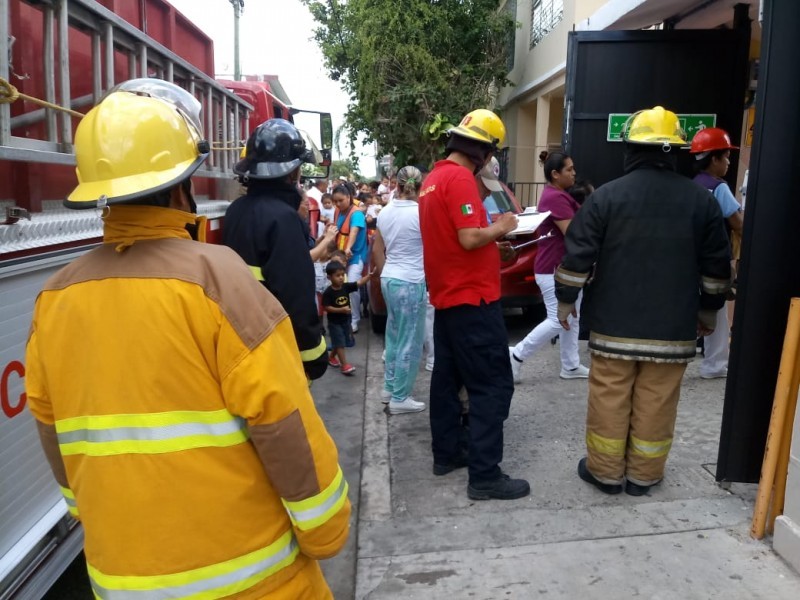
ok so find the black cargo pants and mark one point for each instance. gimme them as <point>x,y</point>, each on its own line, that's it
<point>471,349</point>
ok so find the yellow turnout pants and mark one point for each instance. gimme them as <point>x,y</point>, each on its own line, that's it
<point>631,418</point>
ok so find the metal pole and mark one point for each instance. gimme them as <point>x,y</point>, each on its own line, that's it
<point>5,109</point>
<point>143,60</point>
<point>63,70</point>
<point>237,128</point>
<point>49,62</point>
<point>109,35</point>
<point>237,11</point>
<point>210,125</point>
<point>226,153</point>
<point>97,67</point>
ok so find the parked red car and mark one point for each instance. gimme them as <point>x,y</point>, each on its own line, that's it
<point>518,287</point>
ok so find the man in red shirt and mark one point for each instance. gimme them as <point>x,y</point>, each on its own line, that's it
<point>462,267</point>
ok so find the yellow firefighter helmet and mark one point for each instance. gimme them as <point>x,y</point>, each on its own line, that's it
<point>481,125</point>
<point>654,126</point>
<point>142,138</point>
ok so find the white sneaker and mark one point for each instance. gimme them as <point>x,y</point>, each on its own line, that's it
<point>516,365</point>
<point>429,366</point>
<point>718,375</point>
<point>579,372</point>
<point>386,396</point>
<point>409,405</point>
<point>354,327</point>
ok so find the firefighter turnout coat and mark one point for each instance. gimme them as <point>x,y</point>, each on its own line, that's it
<point>661,258</point>
<point>263,227</point>
<point>173,407</point>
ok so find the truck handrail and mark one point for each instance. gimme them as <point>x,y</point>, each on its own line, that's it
<point>226,114</point>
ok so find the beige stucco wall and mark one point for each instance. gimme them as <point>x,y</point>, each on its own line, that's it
<point>556,119</point>
<point>532,64</point>
<point>538,73</point>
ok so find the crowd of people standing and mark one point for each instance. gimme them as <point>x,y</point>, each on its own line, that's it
<point>631,413</point>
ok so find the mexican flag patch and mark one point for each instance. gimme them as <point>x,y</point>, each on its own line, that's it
<point>466,209</point>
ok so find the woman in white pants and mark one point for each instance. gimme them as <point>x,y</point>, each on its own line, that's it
<point>559,171</point>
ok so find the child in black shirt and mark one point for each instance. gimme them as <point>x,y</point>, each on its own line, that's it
<point>336,302</point>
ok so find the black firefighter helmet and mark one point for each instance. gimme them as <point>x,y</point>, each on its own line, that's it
<point>274,149</point>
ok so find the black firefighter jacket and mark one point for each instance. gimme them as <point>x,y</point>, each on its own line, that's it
<point>264,228</point>
<point>661,258</point>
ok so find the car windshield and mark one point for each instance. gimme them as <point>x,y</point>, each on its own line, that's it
<point>498,202</point>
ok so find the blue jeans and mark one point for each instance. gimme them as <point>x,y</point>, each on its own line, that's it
<point>405,330</point>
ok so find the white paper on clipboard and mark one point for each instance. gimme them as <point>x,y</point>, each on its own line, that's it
<point>529,222</point>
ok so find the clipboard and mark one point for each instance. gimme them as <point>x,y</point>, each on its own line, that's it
<point>530,222</point>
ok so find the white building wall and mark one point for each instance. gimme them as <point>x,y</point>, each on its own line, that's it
<point>786,540</point>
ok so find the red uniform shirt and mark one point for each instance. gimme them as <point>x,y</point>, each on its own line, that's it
<point>449,201</point>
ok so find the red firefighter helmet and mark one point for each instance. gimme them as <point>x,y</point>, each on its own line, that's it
<point>711,139</point>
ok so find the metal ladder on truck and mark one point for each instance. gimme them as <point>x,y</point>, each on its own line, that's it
<point>112,40</point>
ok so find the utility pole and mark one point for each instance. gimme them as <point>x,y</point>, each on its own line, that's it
<point>238,7</point>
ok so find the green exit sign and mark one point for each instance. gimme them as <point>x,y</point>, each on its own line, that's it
<point>691,124</point>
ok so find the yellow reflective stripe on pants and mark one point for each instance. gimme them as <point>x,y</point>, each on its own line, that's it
<point>317,510</point>
<point>256,271</point>
<point>605,445</point>
<point>650,449</point>
<point>155,433</point>
<point>314,353</point>
<point>206,583</point>
<point>69,498</point>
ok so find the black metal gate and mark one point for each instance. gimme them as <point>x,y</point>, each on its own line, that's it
<point>688,71</point>
<point>770,270</point>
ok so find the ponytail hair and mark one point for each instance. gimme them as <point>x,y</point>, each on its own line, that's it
<point>342,189</point>
<point>409,180</point>
<point>554,161</point>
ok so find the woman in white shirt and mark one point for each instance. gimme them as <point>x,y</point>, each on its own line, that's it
<point>398,258</point>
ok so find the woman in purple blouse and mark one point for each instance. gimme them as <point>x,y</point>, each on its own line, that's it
<point>559,171</point>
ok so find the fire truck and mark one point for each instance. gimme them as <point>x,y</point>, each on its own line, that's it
<point>57,59</point>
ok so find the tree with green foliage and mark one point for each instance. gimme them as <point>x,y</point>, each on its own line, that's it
<point>345,168</point>
<point>413,68</point>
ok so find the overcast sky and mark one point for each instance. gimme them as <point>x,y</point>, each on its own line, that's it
<point>275,39</point>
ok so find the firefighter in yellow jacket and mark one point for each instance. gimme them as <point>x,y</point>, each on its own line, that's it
<point>168,388</point>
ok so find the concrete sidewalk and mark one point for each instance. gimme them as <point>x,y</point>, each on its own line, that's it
<point>419,536</point>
